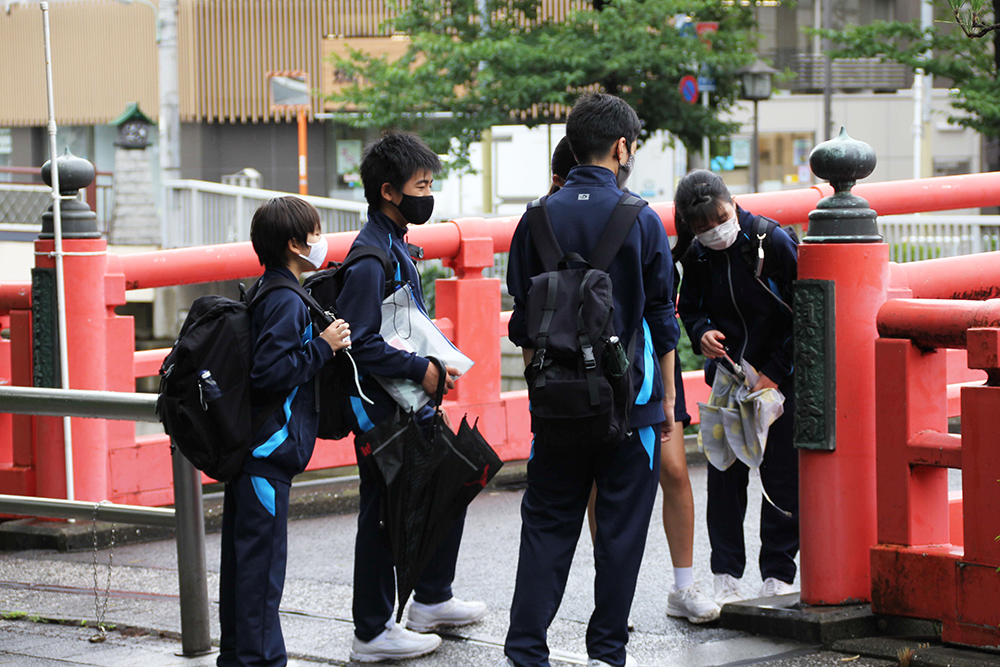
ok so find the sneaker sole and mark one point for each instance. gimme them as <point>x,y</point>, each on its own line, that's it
<point>712,616</point>
<point>381,657</point>
<point>424,629</point>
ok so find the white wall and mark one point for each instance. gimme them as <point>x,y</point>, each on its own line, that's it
<point>521,159</point>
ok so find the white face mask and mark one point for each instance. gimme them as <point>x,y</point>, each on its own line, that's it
<point>317,252</point>
<point>721,236</point>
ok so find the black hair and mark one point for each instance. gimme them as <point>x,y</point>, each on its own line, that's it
<point>394,159</point>
<point>699,200</point>
<point>275,223</point>
<point>563,159</point>
<point>597,122</point>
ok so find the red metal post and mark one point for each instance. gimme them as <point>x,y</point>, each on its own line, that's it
<point>912,500</point>
<point>470,303</point>
<point>837,489</point>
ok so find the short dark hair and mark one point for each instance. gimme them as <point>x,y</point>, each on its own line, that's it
<point>277,221</point>
<point>596,122</point>
<point>563,159</point>
<point>699,199</point>
<point>394,159</point>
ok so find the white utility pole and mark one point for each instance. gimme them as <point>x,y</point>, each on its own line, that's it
<point>169,121</point>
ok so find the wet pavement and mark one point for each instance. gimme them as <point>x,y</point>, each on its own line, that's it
<point>316,608</point>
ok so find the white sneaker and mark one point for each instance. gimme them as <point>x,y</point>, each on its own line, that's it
<point>629,662</point>
<point>692,604</point>
<point>395,643</point>
<point>452,613</point>
<point>774,587</point>
<point>727,589</point>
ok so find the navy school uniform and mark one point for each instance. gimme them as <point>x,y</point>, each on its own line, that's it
<point>286,357</point>
<point>560,480</point>
<point>360,303</point>
<point>720,292</point>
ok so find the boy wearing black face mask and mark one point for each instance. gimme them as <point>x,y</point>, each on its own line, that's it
<point>397,172</point>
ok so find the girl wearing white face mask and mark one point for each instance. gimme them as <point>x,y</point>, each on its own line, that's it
<point>730,311</point>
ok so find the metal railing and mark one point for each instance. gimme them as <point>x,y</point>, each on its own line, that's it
<point>917,237</point>
<point>23,196</point>
<point>201,213</point>
<point>187,517</point>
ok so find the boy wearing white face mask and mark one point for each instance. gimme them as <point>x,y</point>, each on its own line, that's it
<point>728,310</point>
<point>286,356</point>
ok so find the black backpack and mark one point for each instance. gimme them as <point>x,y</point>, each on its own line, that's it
<point>204,398</point>
<point>756,255</point>
<point>579,385</point>
<point>335,380</point>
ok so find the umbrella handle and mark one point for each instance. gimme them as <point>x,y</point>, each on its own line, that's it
<point>442,378</point>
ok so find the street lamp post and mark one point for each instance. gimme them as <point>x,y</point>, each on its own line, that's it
<point>756,80</point>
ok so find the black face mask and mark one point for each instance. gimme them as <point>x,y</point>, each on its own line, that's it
<point>416,210</point>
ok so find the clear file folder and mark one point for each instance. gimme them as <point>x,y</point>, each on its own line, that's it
<point>407,327</point>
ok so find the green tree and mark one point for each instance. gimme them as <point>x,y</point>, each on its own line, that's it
<point>461,75</point>
<point>953,48</point>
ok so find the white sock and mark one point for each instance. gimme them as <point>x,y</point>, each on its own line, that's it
<point>683,577</point>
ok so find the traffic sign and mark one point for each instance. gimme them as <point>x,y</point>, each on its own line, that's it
<point>689,89</point>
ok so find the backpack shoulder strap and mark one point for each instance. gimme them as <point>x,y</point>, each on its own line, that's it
<point>763,227</point>
<point>320,316</point>
<point>622,218</point>
<point>357,253</point>
<point>537,217</point>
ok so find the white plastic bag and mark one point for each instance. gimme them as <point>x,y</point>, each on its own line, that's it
<point>407,327</point>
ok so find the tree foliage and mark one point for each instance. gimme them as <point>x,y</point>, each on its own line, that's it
<point>942,50</point>
<point>461,75</point>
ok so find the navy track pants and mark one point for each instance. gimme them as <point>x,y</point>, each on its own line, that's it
<point>727,507</point>
<point>252,573</point>
<point>552,511</point>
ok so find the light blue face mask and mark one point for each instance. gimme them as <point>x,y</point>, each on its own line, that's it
<point>721,236</point>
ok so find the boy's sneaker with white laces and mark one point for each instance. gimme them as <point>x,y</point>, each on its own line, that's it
<point>727,589</point>
<point>774,587</point>
<point>395,643</point>
<point>452,613</point>
<point>692,604</point>
<point>629,662</point>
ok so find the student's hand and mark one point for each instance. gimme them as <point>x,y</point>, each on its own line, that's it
<point>337,335</point>
<point>668,422</point>
<point>430,383</point>
<point>711,344</point>
<point>764,383</point>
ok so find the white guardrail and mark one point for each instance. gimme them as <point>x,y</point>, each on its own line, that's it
<point>915,237</point>
<point>203,213</point>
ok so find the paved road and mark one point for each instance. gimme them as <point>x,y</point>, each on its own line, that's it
<point>317,601</point>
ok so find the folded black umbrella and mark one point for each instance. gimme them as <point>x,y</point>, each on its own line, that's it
<point>427,477</point>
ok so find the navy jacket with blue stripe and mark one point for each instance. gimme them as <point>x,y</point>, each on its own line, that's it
<point>286,358</point>
<point>720,291</point>
<point>360,304</point>
<point>642,274</point>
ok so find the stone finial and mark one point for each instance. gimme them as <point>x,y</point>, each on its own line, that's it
<point>78,221</point>
<point>842,217</point>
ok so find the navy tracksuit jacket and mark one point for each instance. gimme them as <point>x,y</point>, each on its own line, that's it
<point>360,304</point>
<point>720,291</point>
<point>559,481</point>
<point>286,357</point>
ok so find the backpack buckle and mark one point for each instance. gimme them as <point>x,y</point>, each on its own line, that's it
<point>589,361</point>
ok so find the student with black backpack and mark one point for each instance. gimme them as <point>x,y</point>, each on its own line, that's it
<point>735,301</point>
<point>285,233</point>
<point>591,275</point>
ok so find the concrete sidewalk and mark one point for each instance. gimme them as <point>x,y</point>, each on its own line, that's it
<point>316,608</point>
